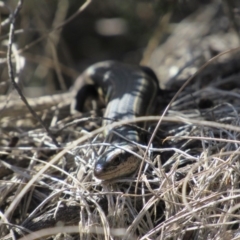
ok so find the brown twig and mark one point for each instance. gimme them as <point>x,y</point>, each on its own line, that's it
<point>12,75</point>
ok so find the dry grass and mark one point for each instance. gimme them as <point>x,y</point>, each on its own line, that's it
<point>188,186</point>
<point>190,189</point>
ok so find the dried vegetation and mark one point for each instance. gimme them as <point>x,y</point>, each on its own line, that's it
<point>186,188</point>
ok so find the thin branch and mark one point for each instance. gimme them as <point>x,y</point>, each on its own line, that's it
<point>12,75</point>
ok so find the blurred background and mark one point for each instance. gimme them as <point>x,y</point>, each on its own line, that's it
<point>173,37</point>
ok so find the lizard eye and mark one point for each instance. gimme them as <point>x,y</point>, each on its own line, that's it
<point>116,161</point>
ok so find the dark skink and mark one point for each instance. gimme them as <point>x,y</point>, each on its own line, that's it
<point>129,92</point>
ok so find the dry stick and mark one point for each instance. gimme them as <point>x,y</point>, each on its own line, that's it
<point>9,60</point>
<point>53,41</point>
<point>36,176</point>
<point>172,100</point>
<point>82,8</point>
<point>43,233</point>
<point>11,73</point>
